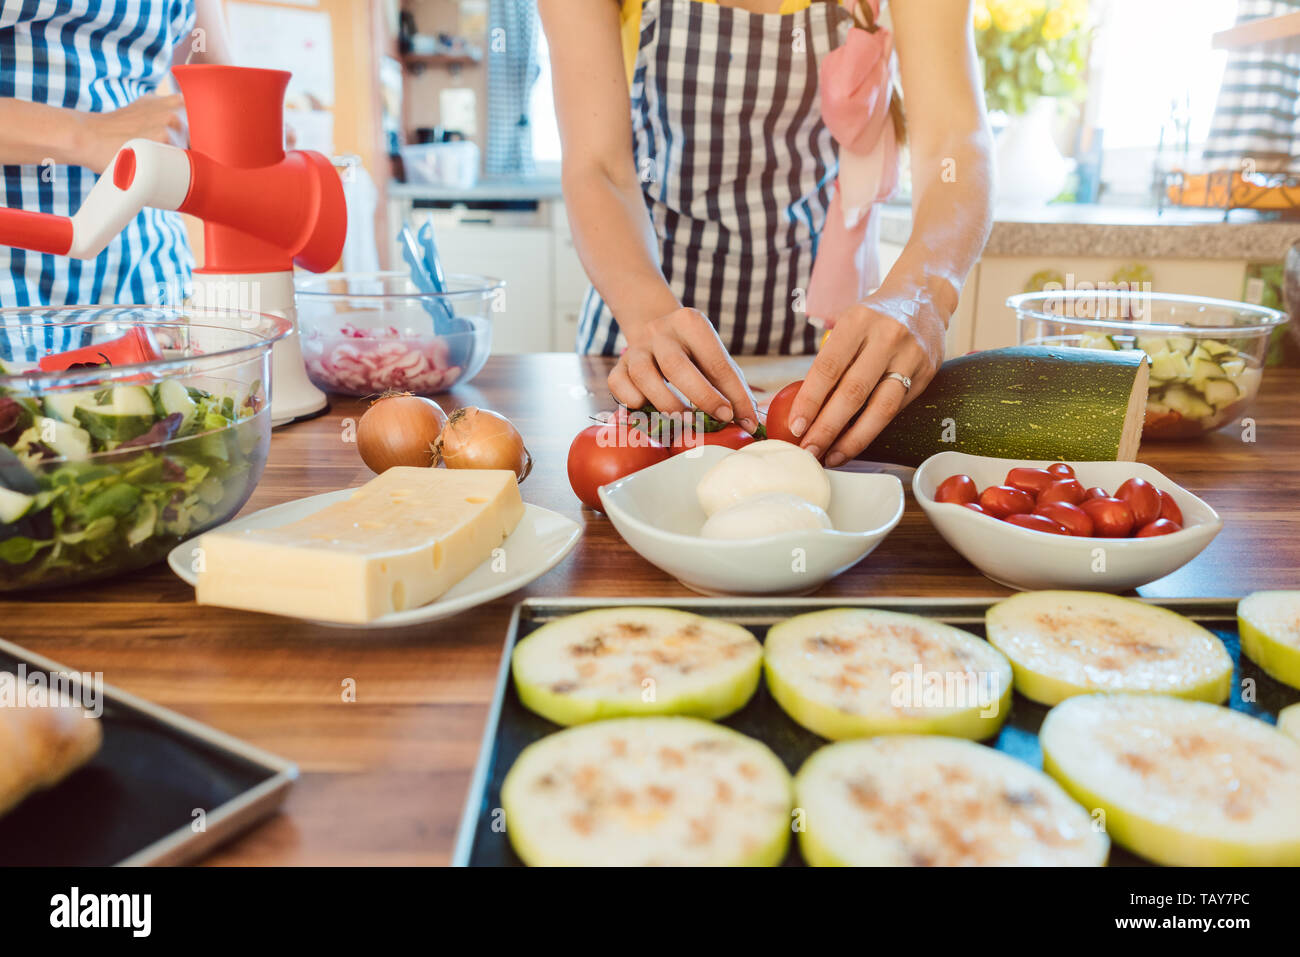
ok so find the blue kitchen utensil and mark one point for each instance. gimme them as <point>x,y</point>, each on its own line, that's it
<point>425,279</point>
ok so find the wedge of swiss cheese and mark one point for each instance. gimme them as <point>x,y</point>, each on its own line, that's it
<point>398,542</point>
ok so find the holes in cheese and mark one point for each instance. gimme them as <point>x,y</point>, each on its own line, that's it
<point>627,661</point>
<point>397,542</point>
<point>1269,623</point>
<point>1180,782</point>
<point>1064,643</point>
<point>849,673</point>
<point>905,800</point>
<point>648,791</point>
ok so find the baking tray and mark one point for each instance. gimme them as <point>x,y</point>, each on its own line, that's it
<point>134,802</point>
<point>511,727</point>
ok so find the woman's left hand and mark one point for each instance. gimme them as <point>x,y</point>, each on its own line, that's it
<point>885,333</point>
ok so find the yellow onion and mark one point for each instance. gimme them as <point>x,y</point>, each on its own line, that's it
<point>399,429</point>
<point>476,438</point>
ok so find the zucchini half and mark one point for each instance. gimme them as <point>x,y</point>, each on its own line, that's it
<point>1269,623</point>
<point>616,662</point>
<point>929,800</point>
<point>648,791</point>
<point>1181,782</point>
<point>1064,643</point>
<point>851,673</point>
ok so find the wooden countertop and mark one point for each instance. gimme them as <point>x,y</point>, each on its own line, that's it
<point>384,778</point>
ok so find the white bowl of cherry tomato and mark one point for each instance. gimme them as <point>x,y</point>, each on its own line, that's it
<point>1099,526</point>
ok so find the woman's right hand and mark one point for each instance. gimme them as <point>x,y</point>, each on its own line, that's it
<point>151,117</point>
<point>682,349</point>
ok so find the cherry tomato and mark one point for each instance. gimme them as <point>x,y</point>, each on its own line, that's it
<point>974,507</point>
<point>1111,517</point>
<point>1095,492</point>
<point>1032,481</point>
<point>600,454</point>
<point>1161,526</point>
<point>1169,508</point>
<point>1075,519</point>
<point>957,489</point>
<point>1003,500</point>
<point>730,436</point>
<point>1061,470</point>
<point>1062,490</point>
<point>778,413</point>
<point>1037,523</point>
<point>1143,498</point>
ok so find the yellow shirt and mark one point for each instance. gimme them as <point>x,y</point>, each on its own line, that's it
<point>631,20</point>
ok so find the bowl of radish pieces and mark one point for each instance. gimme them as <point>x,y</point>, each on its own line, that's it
<point>1102,526</point>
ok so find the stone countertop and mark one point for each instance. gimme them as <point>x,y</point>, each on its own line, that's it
<point>487,189</point>
<point>1069,229</point>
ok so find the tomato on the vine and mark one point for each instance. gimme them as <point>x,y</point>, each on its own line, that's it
<point>601,454</point>
<point>778,414</point>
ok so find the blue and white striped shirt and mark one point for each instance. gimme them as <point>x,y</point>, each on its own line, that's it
<point>92,56</point>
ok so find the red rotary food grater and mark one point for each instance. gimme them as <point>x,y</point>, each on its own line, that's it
<point>263,210</point>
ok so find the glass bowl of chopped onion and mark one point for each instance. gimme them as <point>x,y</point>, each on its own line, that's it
<point>370,333</point>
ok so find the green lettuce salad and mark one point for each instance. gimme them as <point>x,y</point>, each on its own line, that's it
<point>101,481</point>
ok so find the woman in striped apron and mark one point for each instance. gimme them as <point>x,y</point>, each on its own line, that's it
<point>78,78</point>
<point>731,147</point>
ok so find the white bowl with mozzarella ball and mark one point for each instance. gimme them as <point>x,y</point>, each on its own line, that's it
<point>1026,559</point>
<point>658,512</point>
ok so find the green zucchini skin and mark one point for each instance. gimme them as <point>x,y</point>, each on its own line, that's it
<point>1023,402</point>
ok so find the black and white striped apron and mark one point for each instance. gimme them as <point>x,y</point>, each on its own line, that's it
<point>736,165</point>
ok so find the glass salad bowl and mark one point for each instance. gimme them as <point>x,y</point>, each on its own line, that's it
<point>123,431</point>
<point>369,333</point>
<point>1207,355</point>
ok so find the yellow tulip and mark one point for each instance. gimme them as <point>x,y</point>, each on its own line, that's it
<point>1010,16</point>
<point>982,18</point>
<point>1056,24</point>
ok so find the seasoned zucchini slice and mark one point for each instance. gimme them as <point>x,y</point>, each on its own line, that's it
<point>1269,622</point>
<point>927,800</point>
<point>648,791</point>
<point>850,673</point>
<point>1180,782</point>
<point>628,661</point>
<point>1064,643</point>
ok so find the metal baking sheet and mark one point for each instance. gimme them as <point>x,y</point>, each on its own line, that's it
<point>511,727</point>
<point>134,803</point>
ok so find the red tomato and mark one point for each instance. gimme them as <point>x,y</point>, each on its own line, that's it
<point>1095,492</point>
<point>1037,523</point>
<point>1143,498</point>
<point>1161,526</point>
<point>730,436</point>
<point>1003,500</point>
<point>1075,519</point>
<point>1169,508</point>
<point>957,489</point>
<point>1111,517</point>
<point>600,454</point>
<point>778,413</point>
<point>1032,481</point>
<point>974,507</point>
<point>1061,470</point>
<point>1062,490</point>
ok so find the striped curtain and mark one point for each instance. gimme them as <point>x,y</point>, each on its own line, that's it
<point>512,71</point>
<point>1257,115</point>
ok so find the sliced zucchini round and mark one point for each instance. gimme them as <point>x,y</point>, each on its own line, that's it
<point>851,673</point>
<point>614,662</point>
<point>1269,622</point>
<point>647,791</point>
<point>1180,782</point>
<point>1288,722</point>
<point>1063,643</point>
<point>927,800</point>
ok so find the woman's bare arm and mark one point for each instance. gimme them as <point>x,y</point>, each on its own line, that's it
<point>35,133</point>
<point>901,326</point>
<point>612,230</point>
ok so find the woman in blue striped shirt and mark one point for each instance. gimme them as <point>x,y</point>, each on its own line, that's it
<point>77,80</point>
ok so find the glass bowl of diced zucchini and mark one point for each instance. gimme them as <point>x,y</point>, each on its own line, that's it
<point>123,432</point>
<point>1207,355</point>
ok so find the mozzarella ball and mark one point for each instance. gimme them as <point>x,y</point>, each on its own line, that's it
<point>763,515</point>
<point>760,468</point>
